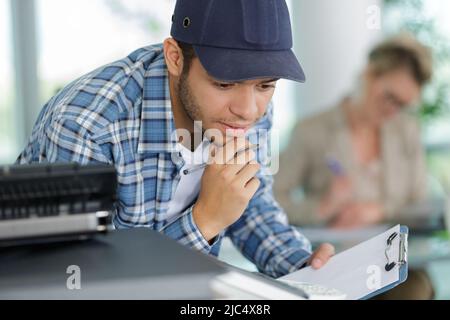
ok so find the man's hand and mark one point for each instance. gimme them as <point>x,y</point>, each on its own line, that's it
<point>358,215</point>
<point>228,184</point>
<point>321,256</point>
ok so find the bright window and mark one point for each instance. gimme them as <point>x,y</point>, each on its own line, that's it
<point>7,129</point>
<point>77,36</point>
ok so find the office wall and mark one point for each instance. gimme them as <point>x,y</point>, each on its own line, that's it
<point>332,39</point>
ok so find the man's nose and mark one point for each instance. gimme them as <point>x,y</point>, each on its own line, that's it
<point>244,104</point>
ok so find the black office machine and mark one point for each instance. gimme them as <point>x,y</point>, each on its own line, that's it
<point>43,202</point>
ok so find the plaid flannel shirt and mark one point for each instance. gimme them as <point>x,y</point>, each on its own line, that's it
<point>121,114</point>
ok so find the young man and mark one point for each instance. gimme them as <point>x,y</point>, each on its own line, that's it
<point>220,70</point>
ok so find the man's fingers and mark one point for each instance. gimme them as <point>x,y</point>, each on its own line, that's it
<point>322,255</point>
<point>247,173</point>
<point>230,149</point>
<point>240,161</point>
<point>253,185</point>
<point>243,157</point>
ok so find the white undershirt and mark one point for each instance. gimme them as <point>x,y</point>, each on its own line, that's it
<point>189,185</point>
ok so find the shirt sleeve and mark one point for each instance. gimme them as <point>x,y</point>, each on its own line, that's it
<point>65,140</point>
<point>263,234</point>
<point>185,231</point>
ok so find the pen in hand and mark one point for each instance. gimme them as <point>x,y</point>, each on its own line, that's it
<point>335,167</point>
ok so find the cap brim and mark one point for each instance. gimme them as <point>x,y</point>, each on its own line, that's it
<point>240,65</point>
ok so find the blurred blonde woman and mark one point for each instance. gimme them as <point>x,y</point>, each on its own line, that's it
<point>362,161</point>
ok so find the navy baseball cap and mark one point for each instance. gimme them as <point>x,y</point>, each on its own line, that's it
<point>238,40</point>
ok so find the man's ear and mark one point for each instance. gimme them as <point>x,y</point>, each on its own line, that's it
<point>173,56</point>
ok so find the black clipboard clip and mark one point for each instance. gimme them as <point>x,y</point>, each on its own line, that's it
<point>402,258</point>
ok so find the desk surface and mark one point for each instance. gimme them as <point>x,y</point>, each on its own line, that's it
<point>131,264</point>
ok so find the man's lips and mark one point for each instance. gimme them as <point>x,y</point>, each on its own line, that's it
<point>235,127</point>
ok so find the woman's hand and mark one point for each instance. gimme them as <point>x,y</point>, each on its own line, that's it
<point>339,194</point>
<point>358,215</point>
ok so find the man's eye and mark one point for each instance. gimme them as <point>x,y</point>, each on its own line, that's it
<point>223,85</point>
<point>267,86</point>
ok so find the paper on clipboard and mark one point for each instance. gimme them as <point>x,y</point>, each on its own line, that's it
<point>359,271</point>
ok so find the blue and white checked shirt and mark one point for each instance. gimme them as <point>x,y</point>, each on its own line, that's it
<point>121,114</point>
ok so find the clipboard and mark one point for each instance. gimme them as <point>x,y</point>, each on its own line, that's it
<point>366,270</point>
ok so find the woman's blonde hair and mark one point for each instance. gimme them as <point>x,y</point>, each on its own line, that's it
<point>403,51</point>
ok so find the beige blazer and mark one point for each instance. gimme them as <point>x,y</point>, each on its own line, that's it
<point>304,165</point>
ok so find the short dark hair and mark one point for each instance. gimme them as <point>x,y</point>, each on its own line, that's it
<point>188,55</point>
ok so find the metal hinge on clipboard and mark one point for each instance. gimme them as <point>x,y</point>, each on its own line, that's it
<point>402,252</point>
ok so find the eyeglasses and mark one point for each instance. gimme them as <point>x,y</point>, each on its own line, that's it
<point>392,100</point>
